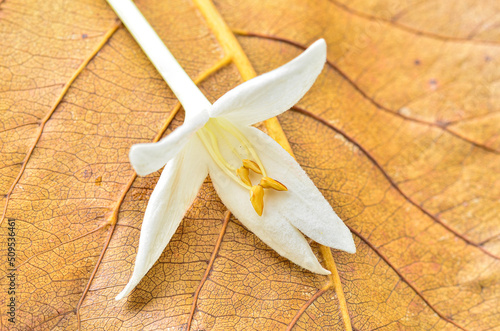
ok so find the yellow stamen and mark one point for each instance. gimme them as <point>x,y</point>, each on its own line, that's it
<point>218,130</point>
<point>252,166</point>
<point>257,199</point>
<point>243,173</point>
<point>267,182</point>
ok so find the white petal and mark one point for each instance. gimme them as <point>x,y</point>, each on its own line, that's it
<point>149,157</point>
<point>179,183</point>
<point>272,228</point>
<point>302,205</point>
<point>272,93</point>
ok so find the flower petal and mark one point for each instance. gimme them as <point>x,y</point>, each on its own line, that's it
<point>272,228</point>
<point>302,205</point>
<point>274,92</point>
<point>149,157</point>
<point>179,183</point>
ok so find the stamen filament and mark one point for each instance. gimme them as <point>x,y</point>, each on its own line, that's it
<point>218,160</point>
<point>215,145</point>
<point>226,140</point>
<point>228,126</point>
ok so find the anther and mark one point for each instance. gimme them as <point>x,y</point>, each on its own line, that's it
<point>243,174</point>
<point>252,166</point>
<point>267,182</point>
<point>257,199</point>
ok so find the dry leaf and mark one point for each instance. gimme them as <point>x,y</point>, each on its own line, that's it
<point>401,133</point>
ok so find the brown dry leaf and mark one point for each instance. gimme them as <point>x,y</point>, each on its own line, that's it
<point>401,133</point>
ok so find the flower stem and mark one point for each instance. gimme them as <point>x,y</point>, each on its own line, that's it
<point>191,98</point>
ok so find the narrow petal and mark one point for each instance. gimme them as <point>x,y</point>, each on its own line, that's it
<point>272,228</point>
<point>149,157</point>
<point>302,205</point>
<point>179,183</point>
<point>272,93</point>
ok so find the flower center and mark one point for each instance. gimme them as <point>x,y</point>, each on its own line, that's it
<point>219,130</point>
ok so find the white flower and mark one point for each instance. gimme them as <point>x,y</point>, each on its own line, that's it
<point>220,141</point>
